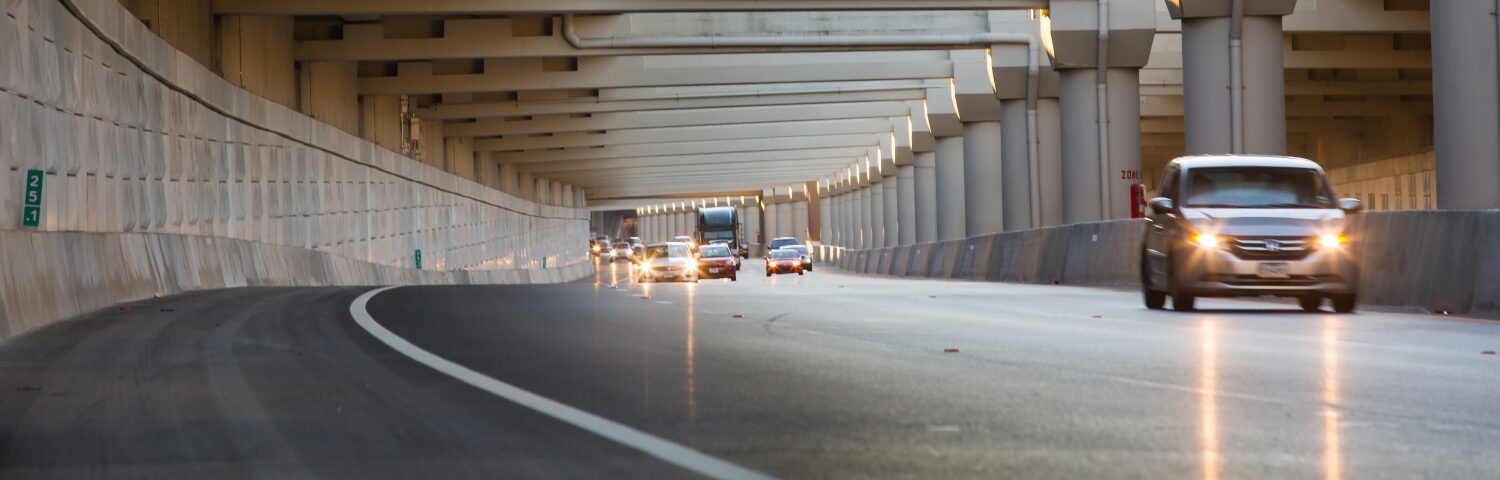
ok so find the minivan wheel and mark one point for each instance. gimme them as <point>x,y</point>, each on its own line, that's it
<point>1181,302</point>
<point>1310,303</point>
<point>1184,302</point>
<point>1344,303</point>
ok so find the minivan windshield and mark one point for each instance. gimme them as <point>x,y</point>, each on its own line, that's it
<point>1257,187</point>
<point>714,251</point>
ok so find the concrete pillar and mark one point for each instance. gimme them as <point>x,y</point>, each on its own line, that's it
<point>800,221</point>
<point>876,202</point>
<point>380,120</point>
<point>1466,104</point>
<point>752,225</point>
<point>1015,165</point>
<point>786,221</point>
<point>1080,146</point>
<point>329,92</point>
<point>950,188</point>
<point>580,198</point>
<point>555,192</point>
<point>255,53</point>
<point>1049,160</point>
<point>1208,86</point>
<point>861,218</point>
<point>773,223</point>
<point>925,195</point>
<point>983,208</point>
<point>892,220</point>
<point>509,180</point>
<point>527,190</point>
<point>567,196</point>
<point>825,218</point>
<point>906,216</point>
<point>849,235</point>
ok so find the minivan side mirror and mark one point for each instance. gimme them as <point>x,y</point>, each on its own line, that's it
<point>1351,205</point>
<point>1162,205</point>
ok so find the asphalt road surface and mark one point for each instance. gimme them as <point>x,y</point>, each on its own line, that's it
<point>815,376</point>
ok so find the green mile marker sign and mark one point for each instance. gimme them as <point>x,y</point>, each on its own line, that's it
<point>419,259</point>
<point>31,213</point>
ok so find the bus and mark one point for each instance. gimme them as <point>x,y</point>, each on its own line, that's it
<point>719,223</point>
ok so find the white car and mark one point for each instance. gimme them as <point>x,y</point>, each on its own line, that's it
<point>671,261</point>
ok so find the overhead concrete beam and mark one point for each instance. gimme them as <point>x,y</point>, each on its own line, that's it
<point>695,159</point>
<point>690,134</point>
<point>637,71</point>
<point>658,150</point>
<point>460,111</point>
<point>680,118</point>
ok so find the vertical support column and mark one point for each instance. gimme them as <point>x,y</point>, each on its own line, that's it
<point>1214,120</point>
<point>555,191</point>
<point>786,222</point>
<point>906,201</point>
<point>892,220</point>
<point>861,217</point>
<point>1124,169</point>
<point>925,195</point>
<point>773,223</point>
<point>800,221</point>
<point>1016,176</point>
<point>527,190</point>
<point>752,224</point>
<point>983,200</point>
<point>509,180</point>
<point>1466,104</point>
<point>876,202</point>
<point>1081,200</point>
<point>1049,160</point>
<point>825,217</point>
<point>950,188</point>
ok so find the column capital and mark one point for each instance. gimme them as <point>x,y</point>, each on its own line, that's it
<point>1071,35</point>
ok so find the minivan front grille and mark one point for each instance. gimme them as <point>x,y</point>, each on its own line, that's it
<point>1270,248</point>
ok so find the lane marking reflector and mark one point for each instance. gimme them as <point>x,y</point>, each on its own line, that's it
<point>665,450</point>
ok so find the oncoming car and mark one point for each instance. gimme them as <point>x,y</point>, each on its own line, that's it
<point>1228,225</point>
<point>717,261</point>
<point>783,261</point>
<point>669,261</point>
<point>806,255</point>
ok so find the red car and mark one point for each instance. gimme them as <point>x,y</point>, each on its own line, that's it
<point>784,261</point>
<point>717,261</point>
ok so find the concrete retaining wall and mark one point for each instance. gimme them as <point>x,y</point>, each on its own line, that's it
<point>58,275</point>
<point>161,177</point>
<point>1101,254</point>
<point>1431,260</point>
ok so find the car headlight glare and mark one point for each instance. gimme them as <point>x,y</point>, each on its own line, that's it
<point>1329,240</point>
<point>1208,241</point>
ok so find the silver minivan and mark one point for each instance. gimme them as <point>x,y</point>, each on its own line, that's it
<point>1241,225</point>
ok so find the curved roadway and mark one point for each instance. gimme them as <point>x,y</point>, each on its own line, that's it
<point>823,375</point>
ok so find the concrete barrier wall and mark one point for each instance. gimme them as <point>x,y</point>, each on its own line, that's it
<point>49,276</point>
<point>1431,260</point>
<point>141,145</point>
<point>1101,254</point>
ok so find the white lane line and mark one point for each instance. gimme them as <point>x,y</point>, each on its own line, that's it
<point>665,450</point>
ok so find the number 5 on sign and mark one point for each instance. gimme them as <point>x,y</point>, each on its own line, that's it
<point>31,214</point>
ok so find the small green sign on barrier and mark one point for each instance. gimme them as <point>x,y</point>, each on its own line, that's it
<point>419,258</point>
<point>31,212</point>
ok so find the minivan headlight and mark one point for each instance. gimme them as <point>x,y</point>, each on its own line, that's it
<point>1211,242</point>
<point>1331,241</point>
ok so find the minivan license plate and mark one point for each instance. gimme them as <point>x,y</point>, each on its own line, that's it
<point>1273,270</point>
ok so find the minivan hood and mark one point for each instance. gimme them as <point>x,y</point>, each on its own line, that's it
<point>1270,222</point>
